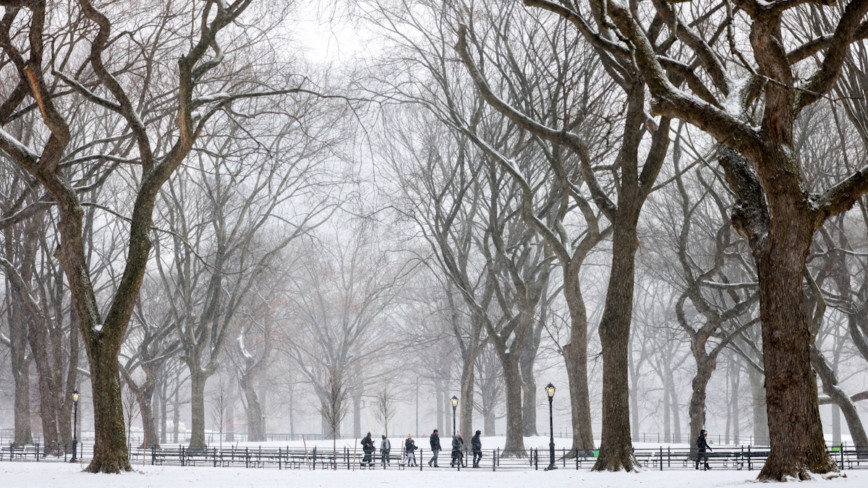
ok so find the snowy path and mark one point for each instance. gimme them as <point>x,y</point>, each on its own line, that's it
<point>44,475</point>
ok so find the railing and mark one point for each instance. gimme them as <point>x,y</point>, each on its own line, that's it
<point>747,458</point>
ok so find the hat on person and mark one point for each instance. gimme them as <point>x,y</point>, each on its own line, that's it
<point>384,437</point>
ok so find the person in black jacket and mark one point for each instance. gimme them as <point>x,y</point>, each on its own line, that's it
<point>410,451</point>
<point>368,448</point>
<point>435,448</point>
<point>476,445</point>
<point>702,445</point>
<point>457,448</point>
<point>385,448</point>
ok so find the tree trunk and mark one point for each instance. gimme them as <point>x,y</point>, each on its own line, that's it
<point>528,385</point>
<point>634,395</point>
<point>110,448</point>
<point>796,433</point>
<point>466,404</point>
<point>576,362</point>
<point>488,423</point>
<point>667,414</point>
<point>357,413</point>
<point>512,381</point>
<point>254,409</point>
<point>676,415</point>
<point>149,423</point>
<point>839,398</point>
<point>760,415</point>
<point>616,447</point>
<point>704,369</point>
<point>198,378</point>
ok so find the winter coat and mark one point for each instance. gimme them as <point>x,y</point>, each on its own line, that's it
<point>476,443</point>
<point>702,444</point>
<point>409,445</point>
<point>435,442</point>
<point>385,445</point>
<point>457,443</point>
<point>367,444</point>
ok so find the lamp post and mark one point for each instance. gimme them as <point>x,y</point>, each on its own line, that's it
<point>454,401</point>
<point>550,392</point>
<point>75,397</point>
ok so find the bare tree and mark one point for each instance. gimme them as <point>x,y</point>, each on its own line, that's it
<point>384,407</point>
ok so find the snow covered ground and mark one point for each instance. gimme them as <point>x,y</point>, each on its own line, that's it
<point>43,475</point>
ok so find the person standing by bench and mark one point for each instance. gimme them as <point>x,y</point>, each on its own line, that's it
<point>385,448</point>
<point>368,448</point>
<point>476,445</point>
<point>435,448</point>
<point>410,450</point>
<point>702,446</point>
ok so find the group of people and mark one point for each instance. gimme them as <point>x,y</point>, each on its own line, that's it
<point>410,448</point>
<point>458,450</point>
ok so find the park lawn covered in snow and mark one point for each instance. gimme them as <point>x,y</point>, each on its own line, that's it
<point>44,475</point>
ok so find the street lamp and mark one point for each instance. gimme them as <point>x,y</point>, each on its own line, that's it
<point>454,401</point>
<point>550,392</point>
<point>75,397</point>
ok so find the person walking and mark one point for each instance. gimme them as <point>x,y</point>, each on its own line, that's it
<point>435,448</point>
<point>702,445</point>
<point>476,446</point>
<point>457,448</point>
<point>409,451</point>
<point>385,448</point>
<point>368,449</point>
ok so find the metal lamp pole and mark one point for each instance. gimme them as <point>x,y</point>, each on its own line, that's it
<point>550,391</point>
<point>454,401</point>
<point>75,397</point>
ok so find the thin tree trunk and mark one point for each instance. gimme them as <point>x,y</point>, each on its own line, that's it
<point>465,406</point>
<point>704,369</point>
<point>576,361</point>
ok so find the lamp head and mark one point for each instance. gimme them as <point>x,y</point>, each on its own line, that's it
<point>75,396</point>
<point>454,401</point>
<point>550,390</point>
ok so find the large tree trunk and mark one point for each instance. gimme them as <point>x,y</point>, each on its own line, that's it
<point>796,433</point>
<point>110,447</point>
<point>198,378</point>
<point>512,379</point>
<point>576,361</point>
<point>616,447</point>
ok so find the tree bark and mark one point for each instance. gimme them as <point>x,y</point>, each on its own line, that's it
<point>839,398</point>
<point>704,369</point>
<point>576,361</point>
<point>198,378</point>
<point>514,445</point>
<point>616,447</point>
<point>795,431</point>
<point>528,385</point>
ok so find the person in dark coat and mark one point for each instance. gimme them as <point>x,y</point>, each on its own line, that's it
<point>457,450</point>
<point>385,448</point>
<point>476,445</point>
<point>702,446</point>
<point>410,451</point>
<point>368,448</point>
<point>435,448</point>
